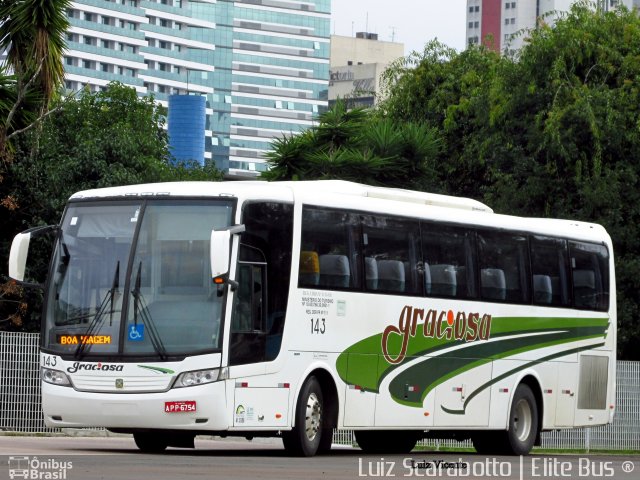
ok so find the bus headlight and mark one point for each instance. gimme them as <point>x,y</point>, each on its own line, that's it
<point>55,377</point>
<point>200,377</point>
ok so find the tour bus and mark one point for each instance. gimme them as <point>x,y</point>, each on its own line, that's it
<point>291,309</point>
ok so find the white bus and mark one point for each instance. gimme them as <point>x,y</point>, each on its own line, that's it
<point>290,309</point>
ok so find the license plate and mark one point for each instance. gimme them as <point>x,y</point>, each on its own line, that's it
<point>179,407</point>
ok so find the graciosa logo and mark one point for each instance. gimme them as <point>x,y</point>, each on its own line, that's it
<point>94,367</point>
<point>444,324</point>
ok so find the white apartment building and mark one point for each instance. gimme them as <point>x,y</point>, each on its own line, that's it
<point>500,24</point>
<point>262,66</point>
<point>357,64</point>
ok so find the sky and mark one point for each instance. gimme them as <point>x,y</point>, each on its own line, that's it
<point>412,22</point>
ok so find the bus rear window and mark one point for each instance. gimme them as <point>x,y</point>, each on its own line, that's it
<point>590,274</point>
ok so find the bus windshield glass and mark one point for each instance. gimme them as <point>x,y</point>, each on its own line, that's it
<point>134,279</point>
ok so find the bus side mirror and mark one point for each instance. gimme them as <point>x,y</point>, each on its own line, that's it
<point>20,252</point>
<point>220,253</point>
<point>18,256</point>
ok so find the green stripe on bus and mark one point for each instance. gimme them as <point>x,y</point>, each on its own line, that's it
<point>433,371</point>
<point>419,345</point>
<point>514,371</point>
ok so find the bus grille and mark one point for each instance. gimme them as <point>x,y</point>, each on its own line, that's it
<point>594,379</point>
<point>121,384</point>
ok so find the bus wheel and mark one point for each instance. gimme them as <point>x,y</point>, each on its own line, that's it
<point>326,440</point>
<point>150,442</point>
<point>306,437</point>
<point>523,422</point>
<point>487,443</point>
<point>386,441</point>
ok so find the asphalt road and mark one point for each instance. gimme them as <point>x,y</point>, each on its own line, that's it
<point>82,458</point>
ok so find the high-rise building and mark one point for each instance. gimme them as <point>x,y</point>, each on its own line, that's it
<point>262,65</point>
<point>357,64</point>
<point>499,24</point>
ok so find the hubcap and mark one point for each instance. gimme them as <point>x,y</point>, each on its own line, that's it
<point>522,420</point>
<point>313,416</point>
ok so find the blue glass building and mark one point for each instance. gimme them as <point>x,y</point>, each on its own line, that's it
<point>187,120</point>
<point>262,66</point>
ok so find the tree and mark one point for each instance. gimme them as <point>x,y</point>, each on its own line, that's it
<point>102,139</point>
<point>354,145</point>
<point>32,32</point>
<point>450,92</point>
<point>553,131</point>
<point>32,35</point>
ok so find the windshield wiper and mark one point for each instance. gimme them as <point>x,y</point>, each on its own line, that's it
<point>96,323</point>
<point>140,308</point>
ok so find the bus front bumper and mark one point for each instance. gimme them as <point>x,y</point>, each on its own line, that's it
<point>200,407</point>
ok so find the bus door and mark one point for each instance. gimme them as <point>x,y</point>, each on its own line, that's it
<point>258,401</point>
<point>261,396</point>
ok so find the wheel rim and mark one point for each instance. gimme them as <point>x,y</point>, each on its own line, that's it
<point>522,420</point>
<point>313,417</point>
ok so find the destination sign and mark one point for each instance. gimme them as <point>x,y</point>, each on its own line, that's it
<point>86,339</point>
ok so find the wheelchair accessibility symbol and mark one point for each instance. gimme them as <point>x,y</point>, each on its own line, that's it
<point>136,333</point>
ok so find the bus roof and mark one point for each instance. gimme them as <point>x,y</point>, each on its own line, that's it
<point>350,195</point>
<point>341,187</point>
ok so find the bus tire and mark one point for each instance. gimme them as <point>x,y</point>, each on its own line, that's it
<point>305,439</point>
<point>326,440</point>
<point>522,430</point>
<point>149,442</point>
<point>386,441</point>
<point>487,443</point>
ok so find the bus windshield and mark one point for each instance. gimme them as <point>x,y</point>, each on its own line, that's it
<point>134,279</point>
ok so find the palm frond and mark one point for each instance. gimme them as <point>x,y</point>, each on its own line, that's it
<point>383,138</point>
<point>339,127</point>
<point>286,155</point>
<point>33,34</point>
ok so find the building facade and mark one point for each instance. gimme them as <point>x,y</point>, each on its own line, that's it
<point>499,24</point>
<point>262,65</point>
<point>357,64</point>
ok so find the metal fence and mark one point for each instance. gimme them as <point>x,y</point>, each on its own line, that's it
<point>20,404</point>
<point>20,400</point>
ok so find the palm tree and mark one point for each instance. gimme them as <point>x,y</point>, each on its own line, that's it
<point>358,146</point>
<point>32,32</point>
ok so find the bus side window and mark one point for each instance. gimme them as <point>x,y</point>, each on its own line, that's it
<point>329,253</point>
<point>393,260</point>
<point>503,260</point>
<point>590,273</point>
<point>449,261</point>
<point>550,271</point>
<point>248,313</point>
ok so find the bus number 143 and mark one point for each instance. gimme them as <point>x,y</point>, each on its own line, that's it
<point>318,326</point>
